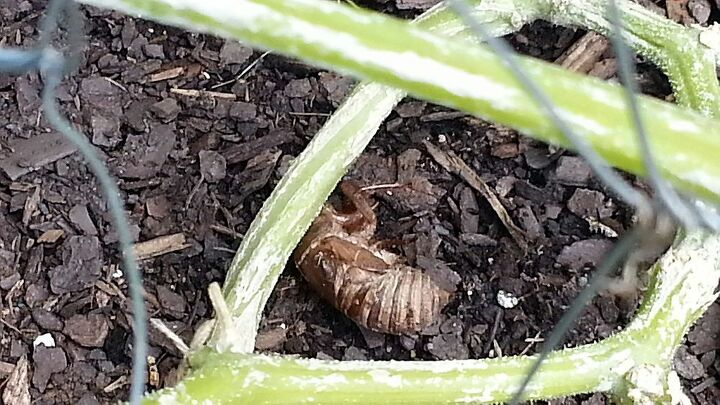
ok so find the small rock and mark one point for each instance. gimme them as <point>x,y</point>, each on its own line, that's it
<point>98,91</point>
<point>415,4</point>
<point>505,150</point>
<point>478,239</point>
<point>46,362</point>
<point>372,339</point>
<point>46,339</point>
<point>134,115</point>
<point>474,337</point>
<point>8,282</point>
<point>16,390</point>
<point>35,294</point>
<point>87,330</point>
<point>700,10</point>
<point>7,262</point>
<point>235,53</point>
<point>270,339</point>
<point>705,335</point>
<point>105,130</point>
<point>609,310</point>
<point>353,353</point>
<point>336,86</point>
<point>439,272</point>
<point>80,217</point>
<point>82,265</point>
<point>537,158</point>
<point>572,171</point>
<point>529,223</point>
<point>212,166</point>
<point>586,203</point>
<point>129,32</point>
<point>469,209</point>
<point>448,347</point>
<point>407,163</point>
<point>143,155</point>
<point>408,342</point>
<point>47,320</point>
<point>411,109</point>
<point>158,207</point>
<point>88,399</point>
<point>27,96</point>
<point>167,109</point>
<point>687,365</point>
<point>154,51</point>
<point>552,211</point>
<point>242,111</point>
<point>584,252</point>
<point>171,301</point>
<point>298,88</point>
<point>507,300</point>
<point>324,356</point>
<point>452,325</point>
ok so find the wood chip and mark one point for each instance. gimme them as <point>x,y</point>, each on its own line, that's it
<point>585,53</point>
<point>203,93</point>
<point>31,205</point>
<point>17,390</point>
<point>118,383</point>
<point>247,150</point>
<point>34,153</point>
<point>6,369</point>
<point>51,236</point>
<point>160,246</point>
<point>452,163</point>
<point>166,74</point>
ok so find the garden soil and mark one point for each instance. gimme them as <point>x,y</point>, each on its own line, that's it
<point>198,131</point>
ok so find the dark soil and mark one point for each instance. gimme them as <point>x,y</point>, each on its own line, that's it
<point>201,167</point>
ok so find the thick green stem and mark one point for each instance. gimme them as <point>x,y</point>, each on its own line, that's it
<point>688,62</point>
<point>679,293</point>
<point>459,75</point>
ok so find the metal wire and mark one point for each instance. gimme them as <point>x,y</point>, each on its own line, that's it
<point>53,66</point>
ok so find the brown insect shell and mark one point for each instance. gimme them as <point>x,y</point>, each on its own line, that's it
<point>365,282</point>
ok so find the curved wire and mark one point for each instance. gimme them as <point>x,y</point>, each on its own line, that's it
<point>52,66</point>
<point>17,61</point>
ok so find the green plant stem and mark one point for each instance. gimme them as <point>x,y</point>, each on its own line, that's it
<point>678,294</point>
<point>677,50</point>
<point>458,75</point>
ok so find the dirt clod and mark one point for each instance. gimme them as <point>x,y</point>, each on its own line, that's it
<point>87,330</point>
<point>583,253</point>
<point>572,171</point>
<point>212,166</point>
<point>82,262</point>
<point>47,361</point>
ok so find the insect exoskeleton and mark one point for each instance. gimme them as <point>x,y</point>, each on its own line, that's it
<point>369,284</point>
